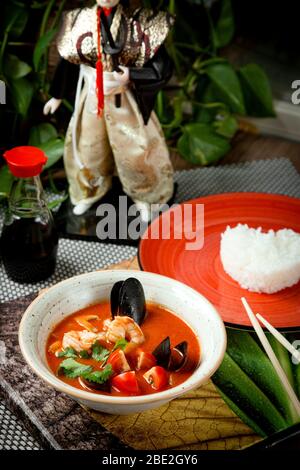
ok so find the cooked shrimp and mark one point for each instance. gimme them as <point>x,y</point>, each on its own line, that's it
<point>80,340</point>
<point>123,327</point>
<point>54,347</point>
<point>84,321</point>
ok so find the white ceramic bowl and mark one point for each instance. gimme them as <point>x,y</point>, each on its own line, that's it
<point>78,292</point>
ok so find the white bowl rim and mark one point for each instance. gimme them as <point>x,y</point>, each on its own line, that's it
<point>79,394</point>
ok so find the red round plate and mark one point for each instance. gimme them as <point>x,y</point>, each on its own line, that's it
<point>202,269</point>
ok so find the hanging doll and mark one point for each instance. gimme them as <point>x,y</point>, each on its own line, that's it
<point>123,65</point>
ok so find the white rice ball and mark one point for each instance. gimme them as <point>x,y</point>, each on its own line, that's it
<point>261,262</point>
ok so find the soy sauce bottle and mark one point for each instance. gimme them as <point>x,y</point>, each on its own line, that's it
<point>29,239</point>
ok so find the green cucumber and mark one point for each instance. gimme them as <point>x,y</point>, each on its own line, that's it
<point>248,397</point>
<point>247,353</point>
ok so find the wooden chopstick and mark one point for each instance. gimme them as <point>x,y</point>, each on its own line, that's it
<point>279,337</point>
<point>276,364</point>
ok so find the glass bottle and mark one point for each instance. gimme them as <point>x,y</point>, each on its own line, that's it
<point>29,239</point>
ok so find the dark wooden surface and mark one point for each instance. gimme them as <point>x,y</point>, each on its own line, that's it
<point>249,147</point>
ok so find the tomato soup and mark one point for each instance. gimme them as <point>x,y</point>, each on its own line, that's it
<point>80,352</point>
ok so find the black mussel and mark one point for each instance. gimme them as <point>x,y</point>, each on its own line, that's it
<point>178,356</point>
<point>171,359</point>
<point>128,299</point>
<point>114,298</point>
<point>93,386</point>
<point>162,353</point>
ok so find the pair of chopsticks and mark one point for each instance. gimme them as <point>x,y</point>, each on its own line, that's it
<point>272,356</point>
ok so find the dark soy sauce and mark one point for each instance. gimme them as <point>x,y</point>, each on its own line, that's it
<point>28,248</point>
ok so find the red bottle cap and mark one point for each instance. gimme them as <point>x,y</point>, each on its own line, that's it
<point>25,161</point>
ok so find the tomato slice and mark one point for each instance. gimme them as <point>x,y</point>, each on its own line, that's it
<point>145,360</point>
<point>126,383</point>
<point>157,377</point>
<point>118,361</point>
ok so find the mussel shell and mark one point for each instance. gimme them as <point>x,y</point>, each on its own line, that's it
<point>179,355</point>
<point>115,298</point>
<point>162,353</point>
<point>128,299</point>
<point>93,386</point>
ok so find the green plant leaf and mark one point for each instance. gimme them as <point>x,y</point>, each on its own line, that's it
<point>227,86</point>
<point>41,134</point>
<point>57,202</point>
<point>15,18</point>
<point>15,68</point>
<point>54,150</point>
<point>256,90</point>
<point>241,414</point>
<point>248,397</point>
<point>41,47</point>
<point>226,125</point>
<point>224,28</point>
<point>297,378</point>
<point>245,351</point>
<point>283,356</point>
<point>199,144</point>
<point>6,181</point>
<point>21,93</point>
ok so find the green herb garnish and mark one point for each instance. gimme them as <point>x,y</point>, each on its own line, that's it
<point>73,369</point>
<point>99,376</point>
<point>84,354</point>
<point>99,353</point>
<point>68,352</point>
<point>120,344</point>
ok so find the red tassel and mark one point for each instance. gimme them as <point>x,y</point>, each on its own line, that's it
<point>99,85</point>
<point>99,65</point>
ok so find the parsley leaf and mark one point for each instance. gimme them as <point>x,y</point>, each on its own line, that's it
<point>120,344</point>
<point>68,352</point>
<point>72,369</point>
<point>99,353</point>
<point>99,376</point>
<point>84,354</point>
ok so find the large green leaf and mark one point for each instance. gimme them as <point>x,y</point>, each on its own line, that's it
<point>256,90</point>
<point>245,351</point>
<point>6,180</point>
<point>199,144</point>
<point>14,19</point>
<point>224,28</point>
<point>226,124</point>
<point>227,86</point>
<point>15,68</point>
<point>42,46</point>
<point>41,134</point>
<point>54,150</point>
<point>21,93</point>
<point>248,397</point>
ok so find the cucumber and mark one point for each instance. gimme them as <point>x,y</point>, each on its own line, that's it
<point>247,353</point>
<point>248,397</point>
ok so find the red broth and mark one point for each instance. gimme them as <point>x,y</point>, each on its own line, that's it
<point>158,324</point>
